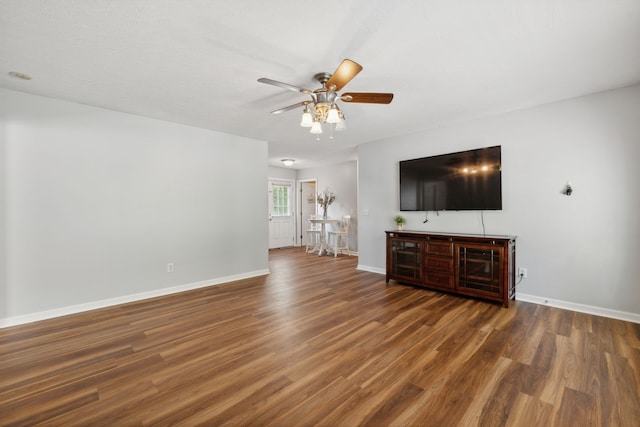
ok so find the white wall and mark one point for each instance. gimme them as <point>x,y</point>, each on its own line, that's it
<point>282,173</point>
<point>341,179</point>
<point>98,202</point>
<point>3,225</point>
<point>579,250</point>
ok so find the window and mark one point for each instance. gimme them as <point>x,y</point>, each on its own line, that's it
<point>281,200</point>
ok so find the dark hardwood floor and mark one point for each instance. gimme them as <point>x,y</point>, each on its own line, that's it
<point>319,343</point>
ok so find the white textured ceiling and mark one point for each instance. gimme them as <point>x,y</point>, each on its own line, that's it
<point>197,62</point>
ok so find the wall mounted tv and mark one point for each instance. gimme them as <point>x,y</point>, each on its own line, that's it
<point>467,180</point>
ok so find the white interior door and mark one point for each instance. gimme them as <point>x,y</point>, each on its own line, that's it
<point>308,206</point>
<point>281,215</point>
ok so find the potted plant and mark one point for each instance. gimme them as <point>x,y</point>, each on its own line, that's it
<point>400,221</point>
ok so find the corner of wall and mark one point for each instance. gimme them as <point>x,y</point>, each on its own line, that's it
<point>3,223</point>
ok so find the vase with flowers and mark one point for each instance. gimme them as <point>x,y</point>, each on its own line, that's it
<point>324,200</point>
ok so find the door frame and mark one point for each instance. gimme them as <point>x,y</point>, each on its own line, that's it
<point>300,222</point>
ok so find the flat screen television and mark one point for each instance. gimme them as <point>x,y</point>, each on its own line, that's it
<point>467,180</point>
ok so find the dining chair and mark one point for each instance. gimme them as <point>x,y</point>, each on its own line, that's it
<point>313,235</point>
<point>340,237</point>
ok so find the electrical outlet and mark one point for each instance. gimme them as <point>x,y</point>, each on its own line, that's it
<point>170,268</point>
<point>522,272</point>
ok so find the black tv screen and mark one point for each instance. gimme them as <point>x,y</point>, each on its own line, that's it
<point>467,180</point>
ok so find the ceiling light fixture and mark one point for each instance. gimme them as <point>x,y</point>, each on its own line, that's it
<point>323,108</point>
<point>316,127</point>
<point>19,75</point>
<point>287,162</point>
<point>332,115</point>
<point>342,124</point>
<point>307,118</point>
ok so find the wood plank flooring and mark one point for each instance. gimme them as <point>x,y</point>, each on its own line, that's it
<point>317,342</point>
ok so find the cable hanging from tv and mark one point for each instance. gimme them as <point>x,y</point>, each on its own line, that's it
<point>426,216</point>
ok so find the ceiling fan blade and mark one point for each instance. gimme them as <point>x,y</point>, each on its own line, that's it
<point>285,85</point>
<point>346,71</point>
<point>367,97</point>
<point>291,107</point>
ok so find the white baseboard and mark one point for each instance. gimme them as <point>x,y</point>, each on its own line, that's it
<point>79,308</point>
<point>566,305</point>
<point>371,269</point>
<point>581,308</point>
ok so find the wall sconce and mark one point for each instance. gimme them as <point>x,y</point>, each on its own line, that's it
<point>568,190</point>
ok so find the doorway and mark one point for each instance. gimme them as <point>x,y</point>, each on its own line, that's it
<point>307,206</point>
<point>281,214</point>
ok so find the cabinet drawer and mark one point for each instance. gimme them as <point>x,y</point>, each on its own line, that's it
<point>439,248</point>
<point>439,264</point>
<point>440,280</point>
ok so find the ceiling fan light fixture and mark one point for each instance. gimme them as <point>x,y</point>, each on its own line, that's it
<point>316,127</point>
<point>333,116</point>
<point>307,118</point>
<point>323,106</point>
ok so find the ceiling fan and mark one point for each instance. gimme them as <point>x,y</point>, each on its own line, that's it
<point>323,107</point>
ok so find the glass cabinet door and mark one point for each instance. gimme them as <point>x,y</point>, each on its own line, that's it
<point>479,268</point>
<point>406,259</point>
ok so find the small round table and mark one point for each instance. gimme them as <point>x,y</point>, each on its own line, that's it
<point>323,247</point>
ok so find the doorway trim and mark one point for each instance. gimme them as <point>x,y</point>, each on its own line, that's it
<point>300,222</point>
